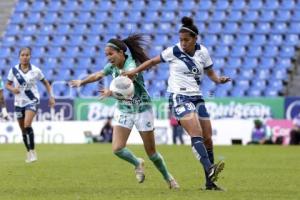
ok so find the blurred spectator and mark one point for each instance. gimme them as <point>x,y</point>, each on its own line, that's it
<point>177,130</point>
<point>106,133</point>
<point>260,134</point>
<point>295,132</point>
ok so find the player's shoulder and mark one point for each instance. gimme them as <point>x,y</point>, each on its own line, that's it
<point>34,67</point>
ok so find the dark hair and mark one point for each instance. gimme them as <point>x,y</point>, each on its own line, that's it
<point>135,43</point>
<point>24,48</point>
<point>188,26</point>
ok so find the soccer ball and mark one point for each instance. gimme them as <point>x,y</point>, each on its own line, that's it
<point>122,88</point>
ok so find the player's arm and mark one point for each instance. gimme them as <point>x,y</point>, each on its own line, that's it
<point>49,91</point>
<point>9,85</point>
<point>3,105</point>
<point>144,66</point>
<point>89,79</point>
<point>215,78</point>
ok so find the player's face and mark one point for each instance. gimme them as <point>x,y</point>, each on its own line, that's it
<point>115,57</point>
<point>187,42</point>
<point>24,57</point>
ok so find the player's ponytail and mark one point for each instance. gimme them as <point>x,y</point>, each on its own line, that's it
<point>188,26</point>
<point>136,44</point>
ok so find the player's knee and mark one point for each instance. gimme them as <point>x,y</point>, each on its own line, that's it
<point>117,149</point>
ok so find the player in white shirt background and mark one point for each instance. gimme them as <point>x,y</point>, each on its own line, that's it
<point>188,62</point>
<point>22,82</point>
<point>3,109</point>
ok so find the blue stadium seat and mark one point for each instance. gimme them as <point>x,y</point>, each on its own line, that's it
<point>60,40</point>
<point>154,6</point>
<point>283,15</point>
<point>151,16</point>
<point>255,5</point>
<point>164,28</point>
<point>106,5</point>
<point>118,16</point>
<point>246,74</point>
<point>221,5</point>
<point>67,62</point>
<point>276,84</point>
<point>134,17</point>
<point>37,6</point>
<point>242,39</point>
<point>254,92</point>
<point>210,39</point>
<point>254,51</point>
<point>218,15</point>
<point>38,52</point>
<point>238,5</point>
<point>138,6</point>
<point>280,74</point>
<point>279,27</point>
<point>21,6</point>
<point>230,72</point>
<point>294,27</point>
<point>167,16</point>
<point>83,17</point>
<point>30,29</point>
<point>4,52</point>
<point>100,17</point>
<point>214,27</point>
<point>263,28</point>
<point>275,39</point>
<point>259,83</point>
<point>191,5</point>
<point>250,16</point>
<point>234,15</point>
<point>237,92</point>
<point>54,51</point>
<point>54,6</point>
<point>287,5</point>
<point>287,51</point>
<point>249,63</point>
<point>205,5</point>
<point>170,5</point>
<point>33,18</point>
<point>271,5</point>
<point>259,39</point>
<point>263,74</point>
<point>63,29</point>
<point>47,29</point>
<point>283,63</point>
<point>266,63</point>
<point>13,29</point>
<point>221,51</point>
<point>201,16</point>
<point>70,6</point>
<point>42,40</point>
<point>218,63</point>
<point>231,27</point>
<point>238,51</point>
<point>270,92</point>
<point>291,39</point>
<point>147,28</point>
<point>17,18</point>
<point>247,28</point>
<point>267,15</point>
<point>50,18</point>
<point>88,6</point>
<point>220,92</point>
<point>270,51</point>
<point>79,29</point>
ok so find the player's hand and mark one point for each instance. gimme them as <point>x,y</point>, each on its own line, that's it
<point>105,93</point>
<point>75,83</point>
<point>129,74</point>
<point>16,90</point>
<point>51,102</point>
<point>4,113</point>
<point>224,79</point>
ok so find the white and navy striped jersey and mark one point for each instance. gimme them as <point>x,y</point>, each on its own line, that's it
<point>186,72</point>
<point>27,82</point>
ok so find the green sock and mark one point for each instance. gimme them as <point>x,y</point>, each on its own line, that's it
<point>127,155</point>
<point>160,164</point>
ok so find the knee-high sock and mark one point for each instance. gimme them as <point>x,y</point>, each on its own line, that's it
<point>29,132</point>
<point>127,155</point>
<point>160,164</point>
<point>210,153</point>
<point>26,140</point>
<point>200,152</point>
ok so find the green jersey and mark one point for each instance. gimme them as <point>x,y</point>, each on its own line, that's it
<point>141,100</point>
<point>1,83</point>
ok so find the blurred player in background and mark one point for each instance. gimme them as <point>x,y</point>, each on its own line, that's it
<point>122,55</point>
<point>22,82</point>
<point>188,62</point>
<point>3,109</point>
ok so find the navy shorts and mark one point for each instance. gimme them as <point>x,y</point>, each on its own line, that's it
<point>20,111</point>
<point>180,105</point>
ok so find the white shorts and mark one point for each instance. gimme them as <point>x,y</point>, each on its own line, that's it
<point>143,121</point>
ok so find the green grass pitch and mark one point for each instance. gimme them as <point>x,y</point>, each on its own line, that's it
<point>90,172</point>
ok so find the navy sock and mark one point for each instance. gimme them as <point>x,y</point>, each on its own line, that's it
<point>200,152</point>
<point>29,132</point>
<point>26,141</point>
<point>210,154</point>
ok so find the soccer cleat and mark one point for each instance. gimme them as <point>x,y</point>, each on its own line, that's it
<point>28,157</point>
<point>33,156</point>
<point>214,187</point>
<point>173,184</point>
<point>139,171</point>
<point>215,170</point>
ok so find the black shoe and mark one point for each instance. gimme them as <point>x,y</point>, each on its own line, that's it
<point>214,187</point>
<point>215,170</point>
